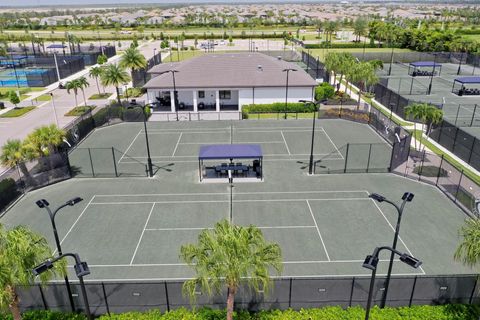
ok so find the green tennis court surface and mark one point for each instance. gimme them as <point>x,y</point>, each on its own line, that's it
<point>131,228</point>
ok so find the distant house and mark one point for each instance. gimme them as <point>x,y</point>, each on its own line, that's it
<point>227,82</point>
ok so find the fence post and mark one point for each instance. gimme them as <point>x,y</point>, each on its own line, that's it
<point>473,115</point>
<point>471,150</point>
<point>473,291</point>
<point>105,299</point>
<point>458,186</point>
<point>166,295</point>
<point>413,291</point>
<point>114,162</point>
<point>91,162</point>
<point>456,116</point>
<point>290,293</point>
<point>369,154</point>
<point>421,165</point>
<point>346,158</point>
<point>45,306</point>
<point>69,167</point>
<point>439,171</point>
<point>351,292</point>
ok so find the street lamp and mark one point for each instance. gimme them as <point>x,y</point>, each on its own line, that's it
<point>54,109</point>
<point>371,262</point>
<point>175,96</point>
<point>149,158</point>
<point>407,197</point>
<point>433,73</point>
<point>42,203</point>
<point>81,269</point>
<point>310,163</point>
<point>287,70</point>
<point>154,57</point>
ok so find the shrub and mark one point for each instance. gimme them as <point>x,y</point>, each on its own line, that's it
<point>350,45</point>
<point>279,107</point>
<point>8,192</point>
<point>324,91</point>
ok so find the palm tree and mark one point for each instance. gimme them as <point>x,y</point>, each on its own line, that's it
<point>21,250</point>
<point>45,140</point>
<point>132,59</point>
<point>468,252</point>
<point>15,153</point>
<point>114,75</point>
<point>346,62</point>
<point>365,75</point>
<point>82,84</point>
<point>96,72</point>
<point>427,114</point>
<point>230,255</point>
<point>73,85</point>
<point>332,63</point>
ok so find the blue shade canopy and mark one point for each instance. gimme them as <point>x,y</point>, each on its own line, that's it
<point>425,64</point>
<point>230,151</point>
<point>468,80</point>
<point>56,46</point>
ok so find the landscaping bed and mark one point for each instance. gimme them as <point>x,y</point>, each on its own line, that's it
<point>100,96</point>
<point>17,112</point>
<point>78,111</point>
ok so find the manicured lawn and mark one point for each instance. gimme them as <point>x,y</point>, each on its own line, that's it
<point>323,52</point>
<point>78,111</point>
<point>44,97</point>
<point>17,112</point>
<point>100,96</point>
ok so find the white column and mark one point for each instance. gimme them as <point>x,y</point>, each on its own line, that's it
<point>217,100</point>
<point>195,101</point>
<point>172,100</point>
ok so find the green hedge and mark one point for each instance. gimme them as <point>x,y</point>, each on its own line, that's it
<point>279,107</point>
<point>445,312</point>
<point>335,45</point>
<point>324,91</point>
<point>8,192</point>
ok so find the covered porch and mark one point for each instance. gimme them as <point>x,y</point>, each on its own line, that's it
<point>216,100</point>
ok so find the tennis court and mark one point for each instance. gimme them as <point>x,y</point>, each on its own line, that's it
<point>172,143</point>
<point>131,228</point>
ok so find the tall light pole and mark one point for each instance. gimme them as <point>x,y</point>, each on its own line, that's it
<point>154,56</point>
<point>287,70</point>
<point>42,203</point>
<point>54,109</point>
<point>81,270</point>
<point>310,163</point>
<point>371,262</point>
<point>56,65</point>
<point>149,158</point>
<point>433,73</point>
<point>407,197</point>
<point>175,95</point>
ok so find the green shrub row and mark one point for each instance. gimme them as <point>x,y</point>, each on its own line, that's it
<point>279,107</point>
<point>8,192</point>
<point>335,45</point>
<point>445,312</point>
<point>324,91</point>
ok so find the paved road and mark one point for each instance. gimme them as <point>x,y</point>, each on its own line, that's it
<point>44,114</point>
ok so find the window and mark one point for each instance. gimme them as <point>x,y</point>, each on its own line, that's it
<point>225,94</point>
<point>201,94</point>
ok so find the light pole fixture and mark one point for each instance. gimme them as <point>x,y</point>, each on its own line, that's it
<point>81,270</point>
<point>175,95</point>
<point>310,163</point>
<point>42,203</point>
<point>149,158</point>
<point>433,73</point>
<point>154,57</point>
<point>54,108</point>
<point>287,70</point>
<point>407,197</point>
<point>371,262</point>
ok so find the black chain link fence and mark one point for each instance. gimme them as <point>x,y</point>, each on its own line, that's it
<point>117,297</point>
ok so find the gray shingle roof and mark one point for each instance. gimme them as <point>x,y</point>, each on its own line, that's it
<point>229,70</point>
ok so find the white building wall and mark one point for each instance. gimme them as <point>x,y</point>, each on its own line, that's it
<point>277,94</point>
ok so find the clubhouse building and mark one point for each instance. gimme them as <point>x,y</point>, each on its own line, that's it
<point>226,82</point>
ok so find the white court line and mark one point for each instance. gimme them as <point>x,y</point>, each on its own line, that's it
<point>187,132</point>
<point>193,161</point>
<point>129,146</point>
<point>143,231</point>
<point>176,146</point>
<point>286,145</point>
<point>338,151</point>
<point>228,142</point>
<point>318,230</point>
<point>184,264</point>
<point>399,238</point>
<point>225,201</point>
<point>226,193</point>
<point>194,229</point>
<point>73,225</point>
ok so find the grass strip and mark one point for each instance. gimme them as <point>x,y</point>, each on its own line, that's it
<point>17,112</point>
<point>78,111</point>
<point>100,96</point>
